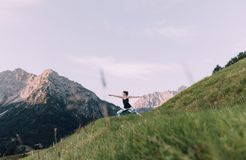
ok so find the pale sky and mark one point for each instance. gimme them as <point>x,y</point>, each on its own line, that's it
<point>142,45</point>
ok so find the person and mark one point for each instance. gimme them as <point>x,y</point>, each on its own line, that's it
<point>125,99</point>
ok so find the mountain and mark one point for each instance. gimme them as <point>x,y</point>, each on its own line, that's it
<point>206,121</point>
<point>156,99</point>
<point>39,110</point>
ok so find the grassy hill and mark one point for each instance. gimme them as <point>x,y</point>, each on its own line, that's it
<point>207,121</point>
<point>225,88</point>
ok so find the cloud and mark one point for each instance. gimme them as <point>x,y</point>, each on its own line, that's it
<point>124,69</point>
<point>170,31</point>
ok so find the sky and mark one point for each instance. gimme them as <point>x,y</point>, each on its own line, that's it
<point>141,45</point>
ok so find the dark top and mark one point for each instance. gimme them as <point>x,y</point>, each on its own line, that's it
<point>126,103</point>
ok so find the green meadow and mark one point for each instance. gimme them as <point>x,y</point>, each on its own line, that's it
<point>205,122</point>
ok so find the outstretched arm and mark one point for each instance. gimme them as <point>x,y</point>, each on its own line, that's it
<point>111,95</point>
<point>135,97</point>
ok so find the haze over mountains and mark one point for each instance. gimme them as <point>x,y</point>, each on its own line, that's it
<point>33,106</point>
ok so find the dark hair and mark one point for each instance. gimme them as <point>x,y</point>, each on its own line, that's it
<point>126,92</point>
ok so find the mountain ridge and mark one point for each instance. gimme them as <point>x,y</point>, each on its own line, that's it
<point>156,99</point>
<point>33,105</point>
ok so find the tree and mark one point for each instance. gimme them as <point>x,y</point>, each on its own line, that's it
<point>241,55</point>
<point>217,69</point>
<point>234,60</point>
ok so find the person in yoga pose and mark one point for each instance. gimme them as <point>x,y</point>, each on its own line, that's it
<point>125,99</point>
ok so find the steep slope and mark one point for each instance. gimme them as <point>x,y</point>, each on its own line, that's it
<point>186,127</point>
<point>226,87</point>
<point>177,130</point>
<point>156,99</point>
<point>35,108</point>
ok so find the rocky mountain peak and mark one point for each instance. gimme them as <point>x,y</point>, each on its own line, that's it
<point>49,72</point>
<point>19,85</point>
<point>17,74</point>
<point>47,83</point>
<point>11,84</point>
<point>156,99</point>
<point>19,70</point>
